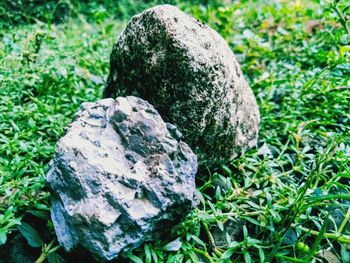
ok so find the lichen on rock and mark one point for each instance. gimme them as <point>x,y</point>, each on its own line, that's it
<point>189,73</point>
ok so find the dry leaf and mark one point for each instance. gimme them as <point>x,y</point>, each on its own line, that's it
<point>328,256</point>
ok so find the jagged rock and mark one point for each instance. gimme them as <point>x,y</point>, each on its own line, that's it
<point>189,73</point>
<point>119,176</point>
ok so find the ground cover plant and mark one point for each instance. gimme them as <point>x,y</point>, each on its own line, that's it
<point>287,200</point>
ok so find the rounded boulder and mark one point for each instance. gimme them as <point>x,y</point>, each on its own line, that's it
<point>189,73</point>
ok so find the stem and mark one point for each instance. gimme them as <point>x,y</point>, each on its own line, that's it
<point>339,237</point>
<point>205,186</point>
<point>204,254</point>
<point>210,236</point>
<point>289,258</point>
<point>211,240</point>
<point>346,219</point>
<point>329,197</point>
<point>41,259</point>
<point>341,17</point>
<point>320,236</point>
<point>297,205</point>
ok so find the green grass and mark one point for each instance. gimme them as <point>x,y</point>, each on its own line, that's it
<point>289,196</point>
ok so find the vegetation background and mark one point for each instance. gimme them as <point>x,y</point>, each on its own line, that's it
<point>287,200</point>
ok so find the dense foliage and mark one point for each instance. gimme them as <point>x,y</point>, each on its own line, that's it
<point>287,200</point>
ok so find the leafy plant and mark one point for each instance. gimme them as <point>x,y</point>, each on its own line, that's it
<point>285,200</point>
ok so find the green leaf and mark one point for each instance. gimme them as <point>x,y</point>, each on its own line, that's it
<point>175,258</point>
<point>252,220</point>
<point>3,237</point>
<point>226,170</point>
<point>261,255</point>
<point>154,255</point>
<point>173,245</point>
<point>201,197</point>
<point>220,225</point>
<point>345,254</point>
<point>40,214</point>
<point>245,232</point>
<point>55,258</point>
<point>198,241</point>
<point>194,257</point>
<point>135,258</point>
<point>254,205</point>
<point>227,254</point>
<point>247,257</point>
<point>30,234</point>
<point>148,254</point>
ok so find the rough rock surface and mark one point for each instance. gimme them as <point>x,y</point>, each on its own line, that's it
<point>119,176</point>
<point>189,73</point>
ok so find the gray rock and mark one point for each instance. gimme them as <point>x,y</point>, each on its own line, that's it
<point>189,73</point>
<point>119,177</point>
